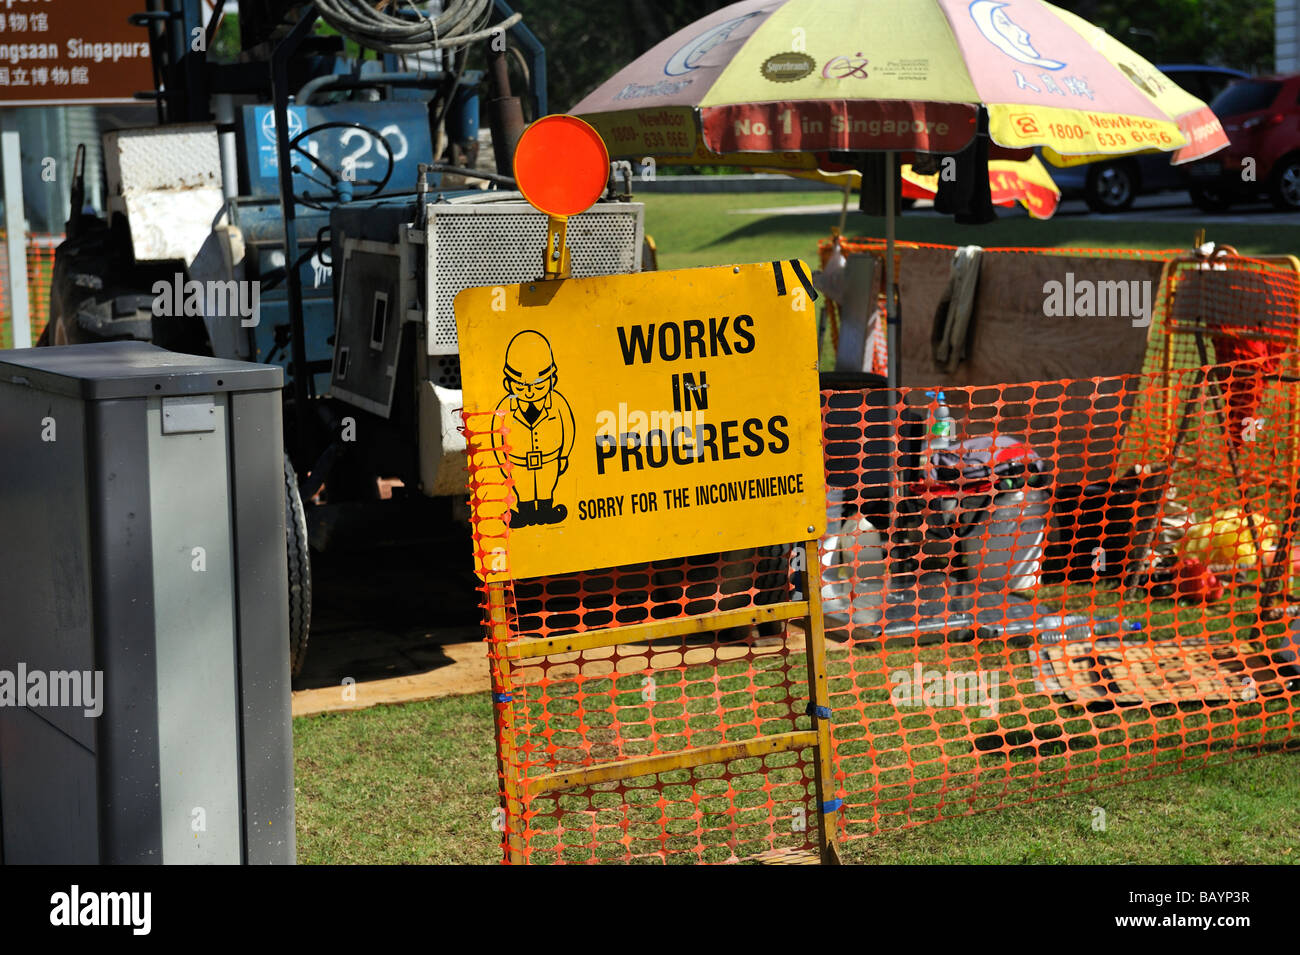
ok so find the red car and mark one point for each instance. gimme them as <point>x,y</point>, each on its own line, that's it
<point>1261,116</point>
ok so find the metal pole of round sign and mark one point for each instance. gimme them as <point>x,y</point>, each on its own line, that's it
<point>561,166</point>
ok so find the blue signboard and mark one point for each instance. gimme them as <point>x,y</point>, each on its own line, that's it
<point>264,119</point>
<point>350,152</point>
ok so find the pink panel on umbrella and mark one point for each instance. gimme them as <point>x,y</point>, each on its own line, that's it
<point>1019,51</point>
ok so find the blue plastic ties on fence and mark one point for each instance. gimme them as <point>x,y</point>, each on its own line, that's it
<point>502,698</point>
<point>832,806</point>
<point>820,712</point>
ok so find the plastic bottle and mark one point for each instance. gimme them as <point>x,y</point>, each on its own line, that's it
<point>942,427</point>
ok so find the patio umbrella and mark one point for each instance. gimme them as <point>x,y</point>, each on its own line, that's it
<point>1024,181</point>
<point>891,76</point>
<point>1010,181</point>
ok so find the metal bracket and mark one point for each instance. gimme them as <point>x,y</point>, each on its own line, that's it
<point>556,264</point>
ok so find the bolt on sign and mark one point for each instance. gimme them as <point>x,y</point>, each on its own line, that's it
<point>648,416</point>
<point>56,52</point>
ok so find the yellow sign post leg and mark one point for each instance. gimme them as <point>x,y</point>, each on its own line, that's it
<point>819,695</point>
<point>502,694</point>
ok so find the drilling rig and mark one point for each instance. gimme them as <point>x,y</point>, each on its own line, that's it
<point>316,202</point>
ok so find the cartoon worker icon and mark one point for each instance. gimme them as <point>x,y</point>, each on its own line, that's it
<point>541,429</point>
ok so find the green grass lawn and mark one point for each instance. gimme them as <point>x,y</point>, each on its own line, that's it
<point>397,784</point>
<point>417,783</point>
<point>692,231</point>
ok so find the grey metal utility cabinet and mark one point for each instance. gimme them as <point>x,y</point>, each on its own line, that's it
<point>142,508</point>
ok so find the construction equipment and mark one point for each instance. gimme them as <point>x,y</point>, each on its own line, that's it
<point>317,204</point>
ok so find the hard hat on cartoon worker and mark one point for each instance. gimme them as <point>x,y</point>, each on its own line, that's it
<point>539,429</point>
<point>529,366</point>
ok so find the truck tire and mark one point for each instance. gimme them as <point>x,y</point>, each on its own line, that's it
<point>299,554</point>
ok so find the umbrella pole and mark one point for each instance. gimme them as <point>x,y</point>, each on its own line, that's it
<point>891,354</point>
<point>892,342</point>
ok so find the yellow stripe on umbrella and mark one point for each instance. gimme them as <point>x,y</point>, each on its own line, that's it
<point>1010,181</point>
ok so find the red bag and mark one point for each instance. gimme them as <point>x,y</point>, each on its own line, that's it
<point>1197,582</point>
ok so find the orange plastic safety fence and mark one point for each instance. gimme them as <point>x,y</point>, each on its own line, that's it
<point>567,710</point>
<point>1224,308</point>
<point>40,271</point>
<point>872,244</point>
<point>1066,597</point>
<point>1037,590</point>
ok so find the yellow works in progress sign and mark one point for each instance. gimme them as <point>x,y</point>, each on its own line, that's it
<point>648,416</point>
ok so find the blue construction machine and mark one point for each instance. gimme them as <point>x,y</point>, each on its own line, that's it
<point>316,201</point>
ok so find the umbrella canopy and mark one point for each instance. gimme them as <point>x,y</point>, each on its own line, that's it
<point>1028,183</point>
<point>800,76</point>
<point>1010,181</point>
<point>890,76</point>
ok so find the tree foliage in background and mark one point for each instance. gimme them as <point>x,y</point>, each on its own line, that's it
<point>588,40</point>
<point>1236,33</point>
<point>225,45</point>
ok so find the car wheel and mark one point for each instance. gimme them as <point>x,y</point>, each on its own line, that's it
<point>1209,198</point>
<point>1284,184</point>
<point>1111,187</point>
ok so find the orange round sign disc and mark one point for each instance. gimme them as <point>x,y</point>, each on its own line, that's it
<point>561,165</point>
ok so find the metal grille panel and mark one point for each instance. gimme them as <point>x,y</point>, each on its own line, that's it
<point>503,243</point>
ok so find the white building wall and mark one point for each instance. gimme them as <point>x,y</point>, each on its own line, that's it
<point>1286,22</point>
